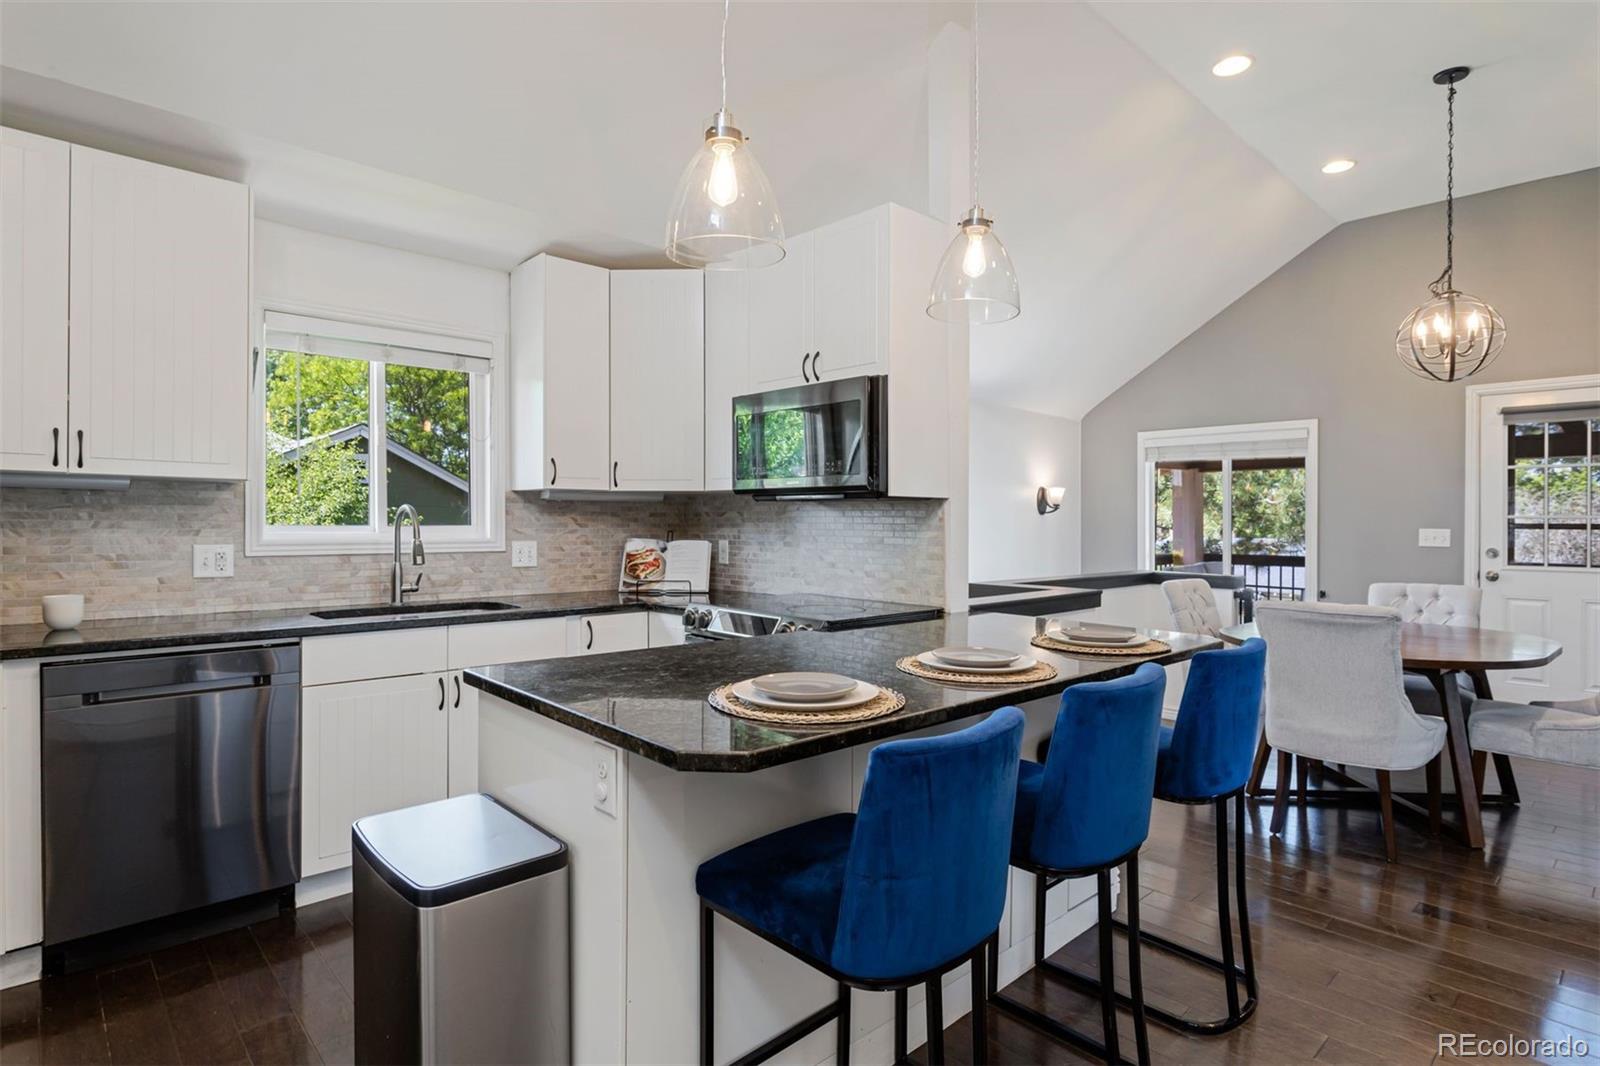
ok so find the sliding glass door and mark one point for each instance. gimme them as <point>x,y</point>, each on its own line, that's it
<point>1231,500</point>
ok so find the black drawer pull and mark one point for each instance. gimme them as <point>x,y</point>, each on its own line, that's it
<point>441,693</point>
<point>55,446</point>
<point>80,449</point>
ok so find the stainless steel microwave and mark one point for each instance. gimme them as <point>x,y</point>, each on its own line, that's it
<point>826,440</point>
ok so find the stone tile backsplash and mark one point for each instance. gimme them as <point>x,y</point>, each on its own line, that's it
<point>130,553</point>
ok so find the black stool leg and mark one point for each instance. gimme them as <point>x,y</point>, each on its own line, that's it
<point>1244,909</point>
<point>842,1048</point>
<point>1224,924</point>
<point>935,1005</point>
<point>980,1006</point>
<point>707,988</point>
<point>900,1051</point>
<point>1141,1033</point>
<point>994,963</point>
<point>1108,969</point>
<point>1041,885</point>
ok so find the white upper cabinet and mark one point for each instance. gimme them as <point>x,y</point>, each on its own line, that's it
<point>159,342</point>
<point>657,380</point>
<point>848,300</point>
<point>560,375</point>
<point>34,187</point>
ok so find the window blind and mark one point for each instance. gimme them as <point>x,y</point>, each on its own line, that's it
<point>1240,444</point>
<point>349,340</point>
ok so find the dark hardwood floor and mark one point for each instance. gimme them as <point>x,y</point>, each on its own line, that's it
<point>1360,961</point>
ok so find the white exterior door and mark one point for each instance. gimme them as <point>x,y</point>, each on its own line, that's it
<point>658,395</point>
<point>33,301</point>
<point>160,298</point>
<point>1536,553</point>
<point>368,747</point>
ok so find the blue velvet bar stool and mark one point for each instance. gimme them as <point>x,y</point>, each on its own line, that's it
<point>1206,758</point>
<point>1086,810</point>
<point>906,889</point>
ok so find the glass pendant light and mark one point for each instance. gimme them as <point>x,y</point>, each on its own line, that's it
<point>975,281</point>
<point>724,216</point>
<point>1454,334</point>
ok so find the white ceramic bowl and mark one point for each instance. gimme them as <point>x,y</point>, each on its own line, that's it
<point>63,612</point>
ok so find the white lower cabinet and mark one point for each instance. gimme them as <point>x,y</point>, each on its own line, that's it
<point>595,634</point>
<point>368,747</point>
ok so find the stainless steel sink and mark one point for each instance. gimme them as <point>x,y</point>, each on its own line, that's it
<point>405,609</point>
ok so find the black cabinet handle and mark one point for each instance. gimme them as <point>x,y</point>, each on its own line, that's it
<point>457,680</point>
<point>803,372</point>
<point>55,446</point>
<point>80,449</point>
<point>552,470</point>
<point>441,693</point>
<point>613,475</point>
<point>590,626</point>
<point>816,375</point>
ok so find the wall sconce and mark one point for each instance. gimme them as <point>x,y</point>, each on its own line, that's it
<point>1049,498</point>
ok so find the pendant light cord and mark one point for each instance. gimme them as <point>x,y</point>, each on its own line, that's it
<point>1448,277</point>
<point>977,112</point>
<point>725,5</point>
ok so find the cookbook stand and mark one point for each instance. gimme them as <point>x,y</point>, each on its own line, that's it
<point>665,586</point>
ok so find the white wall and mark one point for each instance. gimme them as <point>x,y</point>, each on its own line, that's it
<point>1012,453</point>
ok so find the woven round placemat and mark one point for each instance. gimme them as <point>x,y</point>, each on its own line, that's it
<point>1149,647</point>
<point>887,701</point>
<point>1037,672</point>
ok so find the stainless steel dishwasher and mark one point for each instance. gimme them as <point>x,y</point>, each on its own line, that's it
<point>170,782</point>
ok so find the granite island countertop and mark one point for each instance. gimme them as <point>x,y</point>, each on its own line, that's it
<point>1079,592</point>
<point>188,630</point>
<point>653,703</point>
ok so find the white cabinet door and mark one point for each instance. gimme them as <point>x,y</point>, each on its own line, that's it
<point>21,814</point>
<point>780,348</point>
<point>658,380</point>
<point>34,187</point>
<point>666,630</point>
<point>849,312</point>
<point>159,335</point>
<point>368,747</point>
<point>727,367</point>
<point>595,634</point>
<point>463,772</point>
<point>577,395</point>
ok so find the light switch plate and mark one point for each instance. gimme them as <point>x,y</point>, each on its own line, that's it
<point>524,553</point>
<point>1433,538</point>
<point>605,779</point>
<point>213,560</point>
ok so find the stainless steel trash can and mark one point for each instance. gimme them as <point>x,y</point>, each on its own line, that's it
<point>461,939</point>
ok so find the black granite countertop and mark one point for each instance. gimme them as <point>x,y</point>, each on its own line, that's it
<point>653,703</point>
<point>174,631</point>
<point>1078,592</point>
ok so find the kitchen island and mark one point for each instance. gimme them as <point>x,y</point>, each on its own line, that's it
<point>622,757</point>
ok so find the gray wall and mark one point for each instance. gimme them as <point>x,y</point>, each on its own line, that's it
<point>1315,340</point>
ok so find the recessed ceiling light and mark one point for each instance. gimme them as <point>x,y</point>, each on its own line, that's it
<point>1338,166</point>
<point>1228,66</point>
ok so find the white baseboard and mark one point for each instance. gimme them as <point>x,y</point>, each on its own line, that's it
<point>318,887</point>
<point>21,966</point>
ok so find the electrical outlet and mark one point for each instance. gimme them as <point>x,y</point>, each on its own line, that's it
<point>524,553</point>
<point>722,552</point>
<point>605,779</point>
<point>213,560</point>
<point>1433,538</point>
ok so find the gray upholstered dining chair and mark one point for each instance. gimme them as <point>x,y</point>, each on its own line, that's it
<point>1334,695</point>
<point>1193,606</point>
<point>1547,731</point>
<point>1437,605</point>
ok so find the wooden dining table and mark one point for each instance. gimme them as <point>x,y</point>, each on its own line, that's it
<point>1438,653</point>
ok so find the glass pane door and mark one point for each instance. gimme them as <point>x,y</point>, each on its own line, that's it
<point>1188,516</point>
<point>1268,538</point>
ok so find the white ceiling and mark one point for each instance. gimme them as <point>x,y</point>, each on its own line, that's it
<point>1355,80</point>
<point>1138,195</point>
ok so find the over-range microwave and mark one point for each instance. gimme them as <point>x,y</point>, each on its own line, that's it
<point>822,441</point>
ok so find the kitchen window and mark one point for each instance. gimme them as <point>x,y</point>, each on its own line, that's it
<point>353,420</point>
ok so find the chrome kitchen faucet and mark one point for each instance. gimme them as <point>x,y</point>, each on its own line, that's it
<point>397,578</point>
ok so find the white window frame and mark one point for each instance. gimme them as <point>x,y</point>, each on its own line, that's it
<point>487,478</point>
<point>1221,437</point>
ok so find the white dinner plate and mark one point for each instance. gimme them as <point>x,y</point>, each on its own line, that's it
<point>804,686</point>
<point>933,662</point>
<point>966,655</point>
<point>1077,636</point>
<point>862,692</point>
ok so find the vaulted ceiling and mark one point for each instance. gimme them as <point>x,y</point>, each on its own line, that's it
<point>1138,195</point>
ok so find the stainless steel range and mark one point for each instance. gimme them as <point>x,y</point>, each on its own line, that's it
<point>709,622</point>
